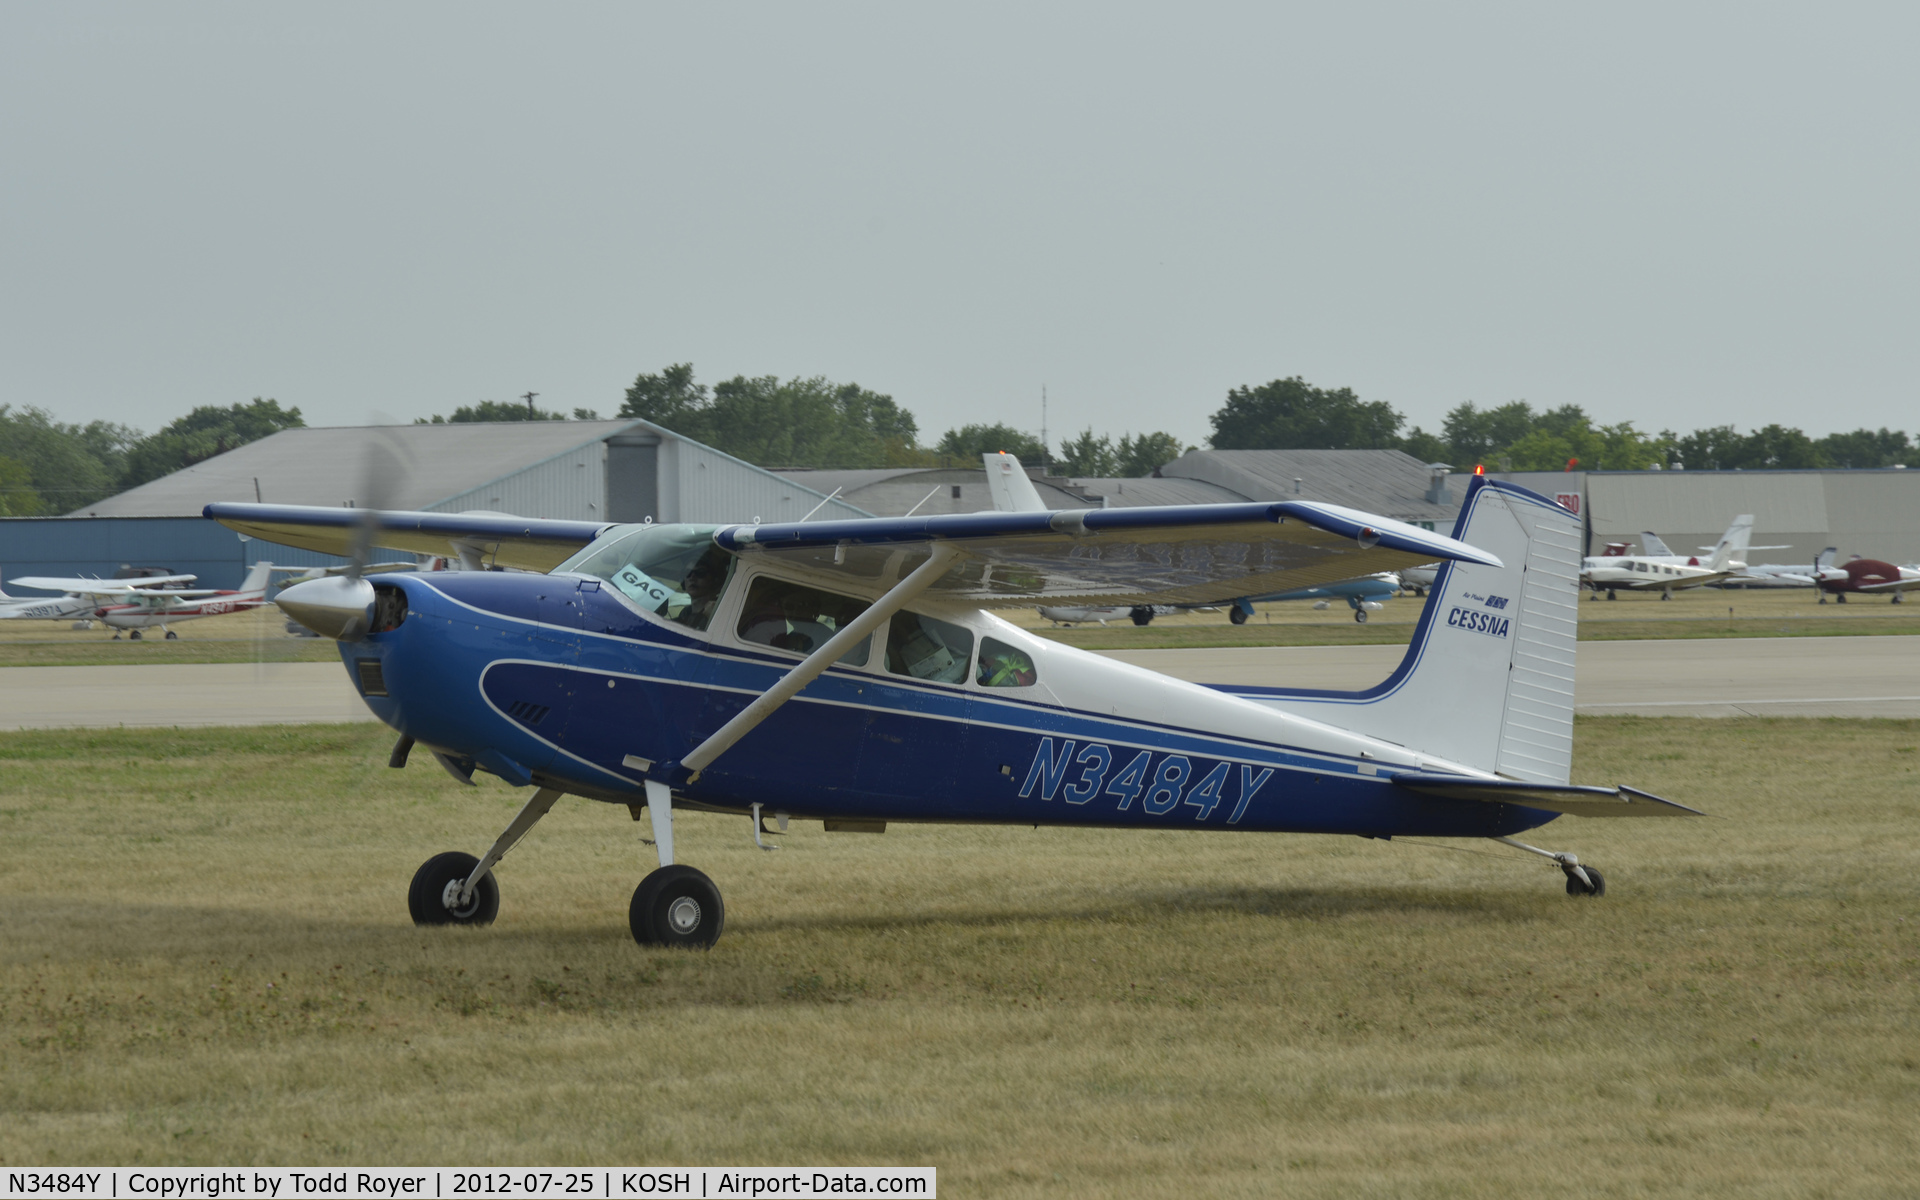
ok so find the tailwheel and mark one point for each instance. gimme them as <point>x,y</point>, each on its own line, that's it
<point>1596,884</point>
<point>677,906</point>
<point>434,898</point>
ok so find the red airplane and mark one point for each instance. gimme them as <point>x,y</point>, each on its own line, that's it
<point>1866,576</point>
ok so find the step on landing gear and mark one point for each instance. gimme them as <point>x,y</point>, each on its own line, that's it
<point>1581,881</point>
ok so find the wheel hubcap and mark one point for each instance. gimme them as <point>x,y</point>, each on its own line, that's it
<point>450,898</point>
<point>683,915</point>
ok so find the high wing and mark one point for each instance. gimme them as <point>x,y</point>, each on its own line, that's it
<point>103,587</point>
<point>497,539</point>
<point>1193,554</point>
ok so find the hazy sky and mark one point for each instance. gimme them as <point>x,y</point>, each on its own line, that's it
<point>1680,215</point>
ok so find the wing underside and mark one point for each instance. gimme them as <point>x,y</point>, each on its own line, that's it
<point>499,539</point>
<point>1197,554</point>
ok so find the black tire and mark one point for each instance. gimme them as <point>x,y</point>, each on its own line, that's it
<point>1142,615</point>
<point>1237,615</point>
<point>1360,615</point>
<point>426,898</point>
<point>133,635</point>
<point>172,636</point>
<point>1576,888</point>
<point>677,906</point>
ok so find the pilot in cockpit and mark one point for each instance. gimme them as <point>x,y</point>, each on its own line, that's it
<point>700,590</point>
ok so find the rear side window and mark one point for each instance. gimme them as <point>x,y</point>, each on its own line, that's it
<point>1004,666</point>
<point>927,648</point>
<point>793,616</point>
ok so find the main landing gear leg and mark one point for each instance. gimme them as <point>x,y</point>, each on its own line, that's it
<point>1581,881</point>
<point>675,905</point>
<point>459,889</point>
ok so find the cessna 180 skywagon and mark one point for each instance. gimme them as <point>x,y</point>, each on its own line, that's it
<point>849,672</point>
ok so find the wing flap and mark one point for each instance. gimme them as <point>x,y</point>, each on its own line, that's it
<point>1193,554</point>
<point>1571,799</point>
<point>501,539</point>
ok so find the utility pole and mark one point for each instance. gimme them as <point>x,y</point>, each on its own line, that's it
<point>1043,429</point>
<point>529,399</point>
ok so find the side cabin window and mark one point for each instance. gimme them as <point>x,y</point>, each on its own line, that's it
<point>928,648</point>
<point>1004,666</point>
<point>674,571</point>
<point>793,616</point>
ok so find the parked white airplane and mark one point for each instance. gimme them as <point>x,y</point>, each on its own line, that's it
<point>1795,575</point>
<point>137,604</point>
<point>1666,572</point>
<point>77,605</point>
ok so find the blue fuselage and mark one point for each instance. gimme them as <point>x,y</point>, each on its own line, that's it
<point>556,680</point>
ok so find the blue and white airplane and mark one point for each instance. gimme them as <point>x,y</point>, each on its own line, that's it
<point>849,672</point>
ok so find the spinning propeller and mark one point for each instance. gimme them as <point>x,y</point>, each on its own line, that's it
<point>341,606</point>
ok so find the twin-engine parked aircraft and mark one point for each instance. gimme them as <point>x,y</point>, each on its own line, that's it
<point>848,672</point>
<point>1665,573</point>
<point>137,604</point>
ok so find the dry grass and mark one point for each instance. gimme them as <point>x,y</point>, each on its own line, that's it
<point>206,959</point>
<point>259,635</point>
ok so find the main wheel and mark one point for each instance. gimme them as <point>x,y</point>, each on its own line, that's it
<point>1237,615</point>
<point>1576,888</point>
<point>677,906</point>
<point>1142,615</point>
<point>1360,615</point>
<point>133,635</point>
<point>172,636</point>
<point>1613,593</point>
<point>436,887</point>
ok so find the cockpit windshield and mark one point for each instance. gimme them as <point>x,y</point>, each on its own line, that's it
<point>673,570</point>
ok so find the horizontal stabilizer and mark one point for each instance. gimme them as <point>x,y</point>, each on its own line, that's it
<point>1571,799</point>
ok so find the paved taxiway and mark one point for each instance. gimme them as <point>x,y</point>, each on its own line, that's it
<point>1823,677</point>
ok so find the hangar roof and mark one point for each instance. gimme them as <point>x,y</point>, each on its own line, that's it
<point>1389,482</point>
<point>324,465</point>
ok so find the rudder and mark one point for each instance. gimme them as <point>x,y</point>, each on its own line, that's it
<point>1488,678</point>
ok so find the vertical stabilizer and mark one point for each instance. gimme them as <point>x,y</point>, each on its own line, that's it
<point>1731,553</point>
<point>1007,480</point>
<point>1651,544</point>
<point>257,577</point>
<point>1488,678</point>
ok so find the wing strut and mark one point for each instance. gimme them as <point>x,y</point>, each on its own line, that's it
<point>659,801</point>
<point>810,667</point>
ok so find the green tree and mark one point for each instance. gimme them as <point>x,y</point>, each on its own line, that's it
<point>965,445</point>
<point>1088,456</point>
<point>1291,414</point>
<point>17,495</point>
<point>496,410</point>
<point>1474,436</point>
<point>69,466</point>
<point>1426,447</point>
<point>1867,448</point>
<point>1143,455</point>
<point>203,433</point>
<point>670,399</point>
<point>1772,448</point>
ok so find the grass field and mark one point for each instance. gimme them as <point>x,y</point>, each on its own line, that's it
<point>206,959</point>
<point>260,635</point>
